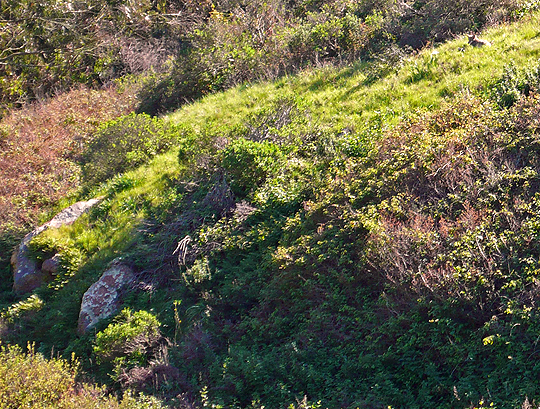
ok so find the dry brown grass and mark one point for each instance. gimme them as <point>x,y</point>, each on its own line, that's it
<point>39,145</point>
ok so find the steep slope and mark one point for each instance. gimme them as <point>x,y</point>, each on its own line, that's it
<point>365,237</point>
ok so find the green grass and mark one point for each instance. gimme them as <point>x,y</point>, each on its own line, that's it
<point>347,98</point>
<point>111,236</point>
<point>283,292</point>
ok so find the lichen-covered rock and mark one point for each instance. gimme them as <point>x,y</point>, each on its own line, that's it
<point>26,274</point>
<point>102,299</point>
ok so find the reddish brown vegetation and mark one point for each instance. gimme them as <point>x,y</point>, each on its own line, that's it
<point>39,145</point>
<point>457,193</point>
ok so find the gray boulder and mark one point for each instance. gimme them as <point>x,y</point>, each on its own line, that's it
<point>50,266</point>
<point>26,274</point>
<point>102,299</point>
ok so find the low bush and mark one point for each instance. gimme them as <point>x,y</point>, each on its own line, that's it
<point>128,340</point>
<point>125,144</point>
<point>515,83</point>
<point>98,42</point>
<point>249,163</point>
<point>28,380</point>
<point>327,36</point>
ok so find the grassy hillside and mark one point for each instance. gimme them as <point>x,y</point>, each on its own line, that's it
<point>352,96</point>
<point>361,237</point>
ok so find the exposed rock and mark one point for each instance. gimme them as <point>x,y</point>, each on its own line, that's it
<point>50,266</point>
<point>26,274</point>
<point>102,299</point>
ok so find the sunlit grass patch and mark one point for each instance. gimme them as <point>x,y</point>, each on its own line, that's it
<point>341,97</point>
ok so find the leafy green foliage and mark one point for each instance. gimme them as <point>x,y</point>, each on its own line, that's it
<point>250,163</point>
<point>515,83</point>
<point>31,381</point>
<point>124,144</point>
<point>28,380</point>
<point>125,342</point>
<point>386,280</point>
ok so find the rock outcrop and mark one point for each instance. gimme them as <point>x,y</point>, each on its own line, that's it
<point>102,299</point>
<point>27,276</point>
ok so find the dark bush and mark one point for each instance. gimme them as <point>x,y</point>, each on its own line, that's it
<point>249,163</point>
<point>514,84</point>
<point>125,144</point>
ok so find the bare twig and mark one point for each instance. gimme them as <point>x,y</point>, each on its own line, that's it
<point>181,249</point>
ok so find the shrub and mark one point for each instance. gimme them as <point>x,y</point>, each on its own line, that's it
<point>98,42</point>
<point>515,83</point>
<point>249,163</point>
<point>28,380</point>
<point>128,339</point>
<point>125,144</point>
<point>223,53</point>
<point>325,36</point>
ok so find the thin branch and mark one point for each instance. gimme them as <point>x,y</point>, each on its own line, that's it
<point>22,53</point>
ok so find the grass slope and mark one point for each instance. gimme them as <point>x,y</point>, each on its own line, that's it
<point>352,96</point>
<point>364,237</point>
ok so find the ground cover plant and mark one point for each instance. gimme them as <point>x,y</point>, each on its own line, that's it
<point>31,381</point>
<point>355,237</point>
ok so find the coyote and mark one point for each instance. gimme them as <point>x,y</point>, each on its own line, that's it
<point>477,42</point>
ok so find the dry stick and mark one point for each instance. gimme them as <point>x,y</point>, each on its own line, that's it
<point>182,246</point>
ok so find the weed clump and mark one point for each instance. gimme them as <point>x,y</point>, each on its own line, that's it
<point>128,341</point>
<point>515,83</point>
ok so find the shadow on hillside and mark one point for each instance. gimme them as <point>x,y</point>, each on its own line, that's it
<point>9,238</point>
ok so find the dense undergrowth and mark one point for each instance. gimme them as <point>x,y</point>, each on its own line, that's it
<point>31,381</point>
<point>361,237</point>
<point>188,49</point>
